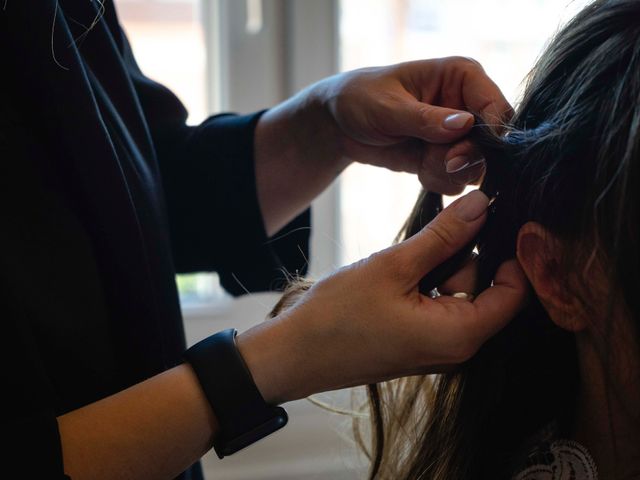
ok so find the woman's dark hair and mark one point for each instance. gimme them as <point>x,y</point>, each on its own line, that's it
<point>569,161</point>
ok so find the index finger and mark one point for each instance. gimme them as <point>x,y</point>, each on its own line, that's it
<point>482,96</point>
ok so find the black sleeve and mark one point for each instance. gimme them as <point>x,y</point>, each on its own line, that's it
<point>32,447</point>
<point>210,189</point>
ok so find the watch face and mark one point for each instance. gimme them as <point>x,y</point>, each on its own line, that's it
<point>243,415</point>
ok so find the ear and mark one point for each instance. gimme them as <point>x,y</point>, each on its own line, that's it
<point>539,254</point>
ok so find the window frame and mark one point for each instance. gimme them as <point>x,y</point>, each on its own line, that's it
<point>300,38</point>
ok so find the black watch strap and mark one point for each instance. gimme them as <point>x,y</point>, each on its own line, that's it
<point>243,415</point>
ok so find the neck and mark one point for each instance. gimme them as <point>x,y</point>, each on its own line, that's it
<point>606,419</point>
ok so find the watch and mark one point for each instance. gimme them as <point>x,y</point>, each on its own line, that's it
<point>243,415</point>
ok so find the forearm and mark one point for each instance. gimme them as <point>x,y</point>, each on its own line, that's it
<point>155,429</point>
<point>296,155</point>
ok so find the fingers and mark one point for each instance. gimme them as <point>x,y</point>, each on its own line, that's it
<point>460,157</point>
<point>469,324</point>
<point>411,118</point>
<point>482,96</point>
<point>464,280</point>
<point>447,169</point>
<point>471,175</point>
<point>451,230</point>
<point>497,305</point>
<point>463,84</point>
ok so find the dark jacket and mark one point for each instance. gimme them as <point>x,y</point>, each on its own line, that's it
<point>106,193</point>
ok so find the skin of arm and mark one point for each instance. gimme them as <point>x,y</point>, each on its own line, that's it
<point>155,429</point>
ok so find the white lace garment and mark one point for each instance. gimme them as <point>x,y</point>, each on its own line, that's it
<point>557,459</point>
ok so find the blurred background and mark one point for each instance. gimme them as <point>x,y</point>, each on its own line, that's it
<point>246,55</point>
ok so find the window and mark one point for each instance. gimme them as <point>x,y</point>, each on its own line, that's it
<point>168,40</point>
<point>506,37</point>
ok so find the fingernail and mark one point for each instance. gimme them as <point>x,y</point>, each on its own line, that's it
<point>457,121</point>
<point>457,163</point>
<point>471,206</point>
<point>477,162</point>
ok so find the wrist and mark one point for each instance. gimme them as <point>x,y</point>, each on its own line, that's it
<point>324,126</point>
<point>277,359</point>
<point>297,155</point>
<point>242,413</point>
<point>257,347</point>
<point>313,130</point>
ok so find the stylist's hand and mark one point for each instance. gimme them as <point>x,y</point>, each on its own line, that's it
<point>410,117</point>
<point>413,117</point>
<point>368,322</point>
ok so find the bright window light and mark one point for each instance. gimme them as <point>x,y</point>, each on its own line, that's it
<point>505,36</point>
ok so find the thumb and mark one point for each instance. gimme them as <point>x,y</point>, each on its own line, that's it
<point>450,231</point>
<point>411,118</point>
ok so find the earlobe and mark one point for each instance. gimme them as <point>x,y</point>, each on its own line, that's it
<point>539,254</point>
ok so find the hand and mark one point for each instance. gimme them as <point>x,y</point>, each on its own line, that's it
<point>410,117</point>
<point>413,117</point>
<point>367,322</point>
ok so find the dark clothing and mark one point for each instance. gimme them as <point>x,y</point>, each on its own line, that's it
<point>105,194</point>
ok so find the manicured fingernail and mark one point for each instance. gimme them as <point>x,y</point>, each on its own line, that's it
<point>476,162</point>
<point>471,206</point>
<point>457,121</point>
<point>457,163</point>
